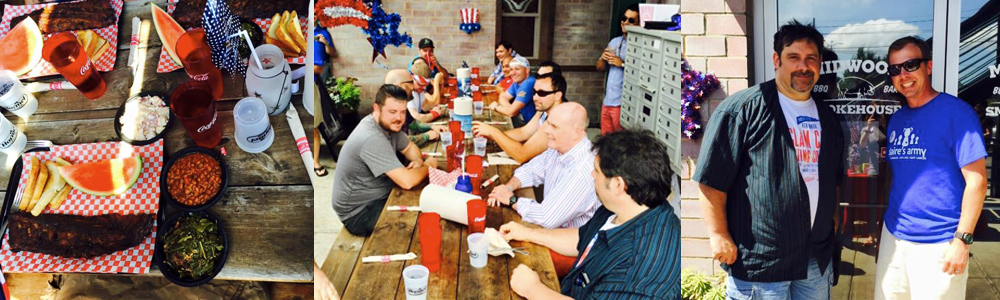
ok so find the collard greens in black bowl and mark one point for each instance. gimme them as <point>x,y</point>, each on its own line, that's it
<point>192,249</point>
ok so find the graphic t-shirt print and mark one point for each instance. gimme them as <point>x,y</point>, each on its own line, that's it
<point>806,136</point>
<point>905,145</point>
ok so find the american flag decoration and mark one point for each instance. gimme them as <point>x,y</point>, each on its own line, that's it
<point>220,23</point>
<point>381,27</point>
<point>470,20</point>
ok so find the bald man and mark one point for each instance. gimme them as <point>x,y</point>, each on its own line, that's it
<point>526,142</point>
<point>419,132</point>
<point>564,168</point>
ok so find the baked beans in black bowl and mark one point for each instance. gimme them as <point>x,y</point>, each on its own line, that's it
<point>194,179</point>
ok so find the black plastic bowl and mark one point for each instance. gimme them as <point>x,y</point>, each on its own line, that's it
<point>160,257</point>
<point>165,191</point>
<point>121,111</point>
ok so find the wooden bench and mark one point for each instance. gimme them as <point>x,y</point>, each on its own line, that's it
<point>339,264</point>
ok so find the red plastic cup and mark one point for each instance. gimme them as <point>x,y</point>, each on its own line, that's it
<point>477,215</point>
<point>450,158</point>
<point>474,166</point>
<point>477,96</point>
<point>456,132</point>
<point>69,58</point>
<point>429,225</point>
<point>197,58</point>
<point>475,73</point>
<point>193,104</point>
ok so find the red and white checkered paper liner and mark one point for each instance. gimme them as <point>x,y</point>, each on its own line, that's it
<point>110,33</point>
<point>143,197</point>
<point>167,64</point>
<point>442,178</point>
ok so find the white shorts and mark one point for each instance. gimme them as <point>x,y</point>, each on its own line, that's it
<point>908,270</point>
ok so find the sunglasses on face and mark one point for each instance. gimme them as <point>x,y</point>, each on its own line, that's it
<point>542,93</point>
<point>630,20</point>
<point>910,66</point>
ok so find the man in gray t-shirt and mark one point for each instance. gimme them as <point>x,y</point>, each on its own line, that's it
<point>368,167</point>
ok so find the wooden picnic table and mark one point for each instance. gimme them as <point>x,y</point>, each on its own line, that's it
<point>267,209</point>
<point>396,233</point>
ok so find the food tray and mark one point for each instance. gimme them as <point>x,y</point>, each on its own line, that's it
<point>44,68</point>
<point>166,64</point>
<point>143,197</point>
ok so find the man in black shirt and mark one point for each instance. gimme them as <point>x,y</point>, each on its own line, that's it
<point>768,186</point>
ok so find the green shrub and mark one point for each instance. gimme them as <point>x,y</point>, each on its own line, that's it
<point>344,93</point>
<point>698,286</point>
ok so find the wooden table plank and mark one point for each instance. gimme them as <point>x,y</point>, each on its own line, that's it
<point>441,284</point>
<point>339,264</point>
<point>539,259</point>
<point>281,164</point>
<point>492,281</point>
<point>394,234</point>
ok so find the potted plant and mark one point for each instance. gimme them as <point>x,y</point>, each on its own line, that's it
<point>346,97</point>
<point>698,286</point>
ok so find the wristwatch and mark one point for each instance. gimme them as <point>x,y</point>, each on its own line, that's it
<point>965,237</point>
<point>513,200</point>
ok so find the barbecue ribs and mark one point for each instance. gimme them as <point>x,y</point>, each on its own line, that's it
<point>87,14</point>
<point>189,12</point>
<point>77,236</point>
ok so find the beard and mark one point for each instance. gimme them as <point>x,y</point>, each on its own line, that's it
<point>388,125</point>
<point>802,81</point>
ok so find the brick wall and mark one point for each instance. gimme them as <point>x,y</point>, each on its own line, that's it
<point>716,41</point>
<point>436,19</point>
<point>581,33</point>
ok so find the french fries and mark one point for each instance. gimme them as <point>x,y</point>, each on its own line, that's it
<point>29,190</point>
<point>286,33</point>
<point>56,183</point>
<point>62,162</point>
<point>61,197</point>
<point>40,184</point>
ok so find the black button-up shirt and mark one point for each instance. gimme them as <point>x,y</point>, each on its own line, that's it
<point>748,153</point>
<point>639,259</point>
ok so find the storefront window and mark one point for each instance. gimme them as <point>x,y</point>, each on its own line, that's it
<point>978,70</point>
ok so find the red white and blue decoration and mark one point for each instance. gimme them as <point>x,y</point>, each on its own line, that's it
<point>470,20</point>
<point>220,24</point>
<point>382,28</point>
<point>696,86</point>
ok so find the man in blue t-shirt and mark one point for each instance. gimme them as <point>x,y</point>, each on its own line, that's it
<point>936,150</point>
<point>517,101</point>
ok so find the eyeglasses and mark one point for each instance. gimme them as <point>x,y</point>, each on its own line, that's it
<point>542,93</point>
<point>630,20</point>
<point>910,66</point>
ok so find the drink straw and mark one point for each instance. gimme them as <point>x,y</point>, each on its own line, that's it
<point>253,52</point>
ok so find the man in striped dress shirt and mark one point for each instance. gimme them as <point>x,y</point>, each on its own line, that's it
<point>768,185</point>
<point>631,248</point>
<point>564,169</point>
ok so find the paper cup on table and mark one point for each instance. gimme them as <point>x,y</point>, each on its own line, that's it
<point>478,246</point>
<point>446,139</point>
<point>480,143</point>
<point>476,210</point>
<point>446,202</point>
<point>12,140</point>
<point>429,225</point>
<point>253,130</point>
<point>415,282</point>
<point>273,82</point>
<point>14,97</point>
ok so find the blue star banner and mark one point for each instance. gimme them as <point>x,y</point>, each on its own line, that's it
<point>220,23</point>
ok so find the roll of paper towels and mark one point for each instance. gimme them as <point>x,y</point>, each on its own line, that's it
<point>447,202</point>
<point>463,106</point>
<point>463,73</point>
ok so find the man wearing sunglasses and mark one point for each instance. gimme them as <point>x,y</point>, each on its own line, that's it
<point>611,60</point>
<point>937,155</point>
<point>526,142</point>
<point>768,184</point>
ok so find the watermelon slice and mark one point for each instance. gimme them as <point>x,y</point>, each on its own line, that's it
<point>103,178</point>
<point>21,48</point>
<point>169,31</point>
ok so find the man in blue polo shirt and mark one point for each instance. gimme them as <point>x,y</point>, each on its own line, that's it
<point>937,155</point>
<point>630,248</point>
<point>517,101</point>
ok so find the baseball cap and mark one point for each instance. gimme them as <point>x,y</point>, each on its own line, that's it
<point>519,61</point>
<point>424,43</point>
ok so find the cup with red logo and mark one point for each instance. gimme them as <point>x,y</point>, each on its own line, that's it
<point>69,58</point>
<point>477,215</point>
<point>193,104</point>
<point>192,47</point>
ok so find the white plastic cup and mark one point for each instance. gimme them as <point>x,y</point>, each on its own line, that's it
<point>480,145</point>
<point>253,130</point>
<point>477,107</point>
<point>14,97</point>
<point>415,282</point>
<point>12,140</point>
<point>478,247</point>
<point>445,139</point>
